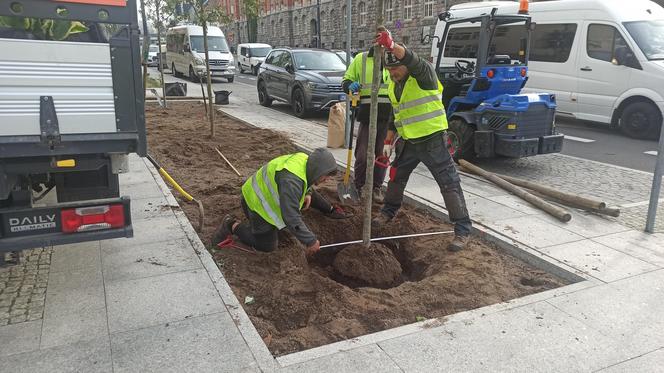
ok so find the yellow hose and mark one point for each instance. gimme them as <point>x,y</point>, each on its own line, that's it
<point>175,185</point>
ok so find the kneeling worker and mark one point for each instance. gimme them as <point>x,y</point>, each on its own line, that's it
<point>274,196</point>
<point>420,120</point>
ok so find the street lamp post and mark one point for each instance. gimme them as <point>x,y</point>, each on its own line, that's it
<point>656,185</point>
<point>318,44</point>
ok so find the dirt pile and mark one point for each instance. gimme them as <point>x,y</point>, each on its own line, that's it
<point>373,266</point>
<point>299,304</point>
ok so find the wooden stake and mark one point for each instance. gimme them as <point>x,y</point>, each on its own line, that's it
<point>373,129</point>
<point>557,212</point>
<point>228,162</point>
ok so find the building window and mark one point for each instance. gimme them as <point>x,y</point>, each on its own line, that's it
<point>389,11</point>
<point>333,22</point>
<point>407,9</point>
<point>362,9</point>
<point>344,16</point>
<point>428,8</point>
<point>323,24</point>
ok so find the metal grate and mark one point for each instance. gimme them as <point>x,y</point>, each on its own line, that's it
<point>497,122</point>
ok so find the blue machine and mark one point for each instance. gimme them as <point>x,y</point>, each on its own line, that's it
<point>488,115</point>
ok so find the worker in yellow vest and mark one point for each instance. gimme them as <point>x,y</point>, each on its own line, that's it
<point>273,198</point>
<point>419,118</point>
<point>358,79</point>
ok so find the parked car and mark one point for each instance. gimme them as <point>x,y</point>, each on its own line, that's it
<point>603,59</point>
<point>251,55</point>
<point>186,55</point>
<point>341,54</point>
<point>308,79</point>
<point>153,55</point>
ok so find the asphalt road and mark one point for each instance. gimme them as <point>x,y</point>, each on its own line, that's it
<point>585,140</point>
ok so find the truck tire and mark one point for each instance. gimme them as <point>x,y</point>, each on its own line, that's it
<point>461,139</point>
<point>263,98</point>
<point>192,75</point>
<point>641,120</point>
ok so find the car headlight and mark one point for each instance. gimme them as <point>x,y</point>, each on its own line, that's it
<point>312,85</point>
<point>199,61</point>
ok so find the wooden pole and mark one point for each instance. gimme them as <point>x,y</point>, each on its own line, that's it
<point>228,162</point>
<point>575,199</point>
<point>609,211</point>
<point>557,212</point>
<point>373,129</point>
<point>210,111</point>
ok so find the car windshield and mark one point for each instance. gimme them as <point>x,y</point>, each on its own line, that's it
<point>260,52</point>
<point>318,60</point>
<point>215,43</point>
<point>341,55</point>
<point>649,35</point>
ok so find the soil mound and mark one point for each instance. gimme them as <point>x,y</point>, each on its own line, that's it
<point>373,266</point>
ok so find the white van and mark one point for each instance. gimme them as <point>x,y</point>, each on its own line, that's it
<point>186,56</point>
<point>604,59</point>
<point>251,55</point>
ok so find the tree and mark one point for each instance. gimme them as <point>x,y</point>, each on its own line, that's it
<point>205,13</point>
<point>159,13</point>
<point>251,8</point>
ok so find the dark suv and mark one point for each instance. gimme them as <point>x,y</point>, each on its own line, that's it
<point>308,79</point>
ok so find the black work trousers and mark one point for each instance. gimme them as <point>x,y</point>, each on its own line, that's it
<point>263,236</point>
<point>435,156</point>
<point>361,155</point>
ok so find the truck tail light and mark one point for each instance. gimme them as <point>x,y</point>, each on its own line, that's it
<point>491,73</point>
<point>523,72</point>
<point>84,219</point>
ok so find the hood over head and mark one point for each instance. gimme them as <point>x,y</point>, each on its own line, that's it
<point>321,162</point>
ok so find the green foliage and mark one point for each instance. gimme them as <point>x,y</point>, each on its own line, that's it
<point>46,29</point>
<point>163,18</point>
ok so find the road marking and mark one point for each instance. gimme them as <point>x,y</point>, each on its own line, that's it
<point>578,139</point>
<point>652,152</point>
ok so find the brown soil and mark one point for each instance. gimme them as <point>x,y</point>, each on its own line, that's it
<point>374,266</point>
<point>300,305</point>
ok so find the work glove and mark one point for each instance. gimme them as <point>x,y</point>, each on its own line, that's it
<point>354,87</point>
<point>388,148</point>
<point>313,249</point>
<point>385,39</point>
<point>338,213</point>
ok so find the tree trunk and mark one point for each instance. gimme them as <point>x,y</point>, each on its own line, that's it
<point>209,79</point>
<point>161,63</point>
<point>373,127</point>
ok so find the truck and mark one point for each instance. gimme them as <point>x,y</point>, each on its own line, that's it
<point>482,62</point>
<point>71,111</point>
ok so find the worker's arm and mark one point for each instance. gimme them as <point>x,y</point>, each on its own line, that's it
<point>290,191</point>
<point>419,68</point>
<point>352,73</point>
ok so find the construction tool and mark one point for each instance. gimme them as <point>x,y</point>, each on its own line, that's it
<point>228,162</point>
<point>557,212</point>
<point>387,238</point>
<point>347,191</point>
<point>183,193</point>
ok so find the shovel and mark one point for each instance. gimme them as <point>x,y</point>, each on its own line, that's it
<point>347,191</point>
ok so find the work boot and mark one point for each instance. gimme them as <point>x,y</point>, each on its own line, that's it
<point>378,195</point>
<point>224,230</point>
<point>380,221</point>
<point>458,243</point>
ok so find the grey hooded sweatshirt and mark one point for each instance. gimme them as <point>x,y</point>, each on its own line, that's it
<point>290,188</point>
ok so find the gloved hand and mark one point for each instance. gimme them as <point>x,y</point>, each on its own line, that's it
<point>307,202</point>
<point>354,87</point>
<point>388,148</point>
<point>338,213</point>
<point>313,249</point>
<point>385,39</point>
